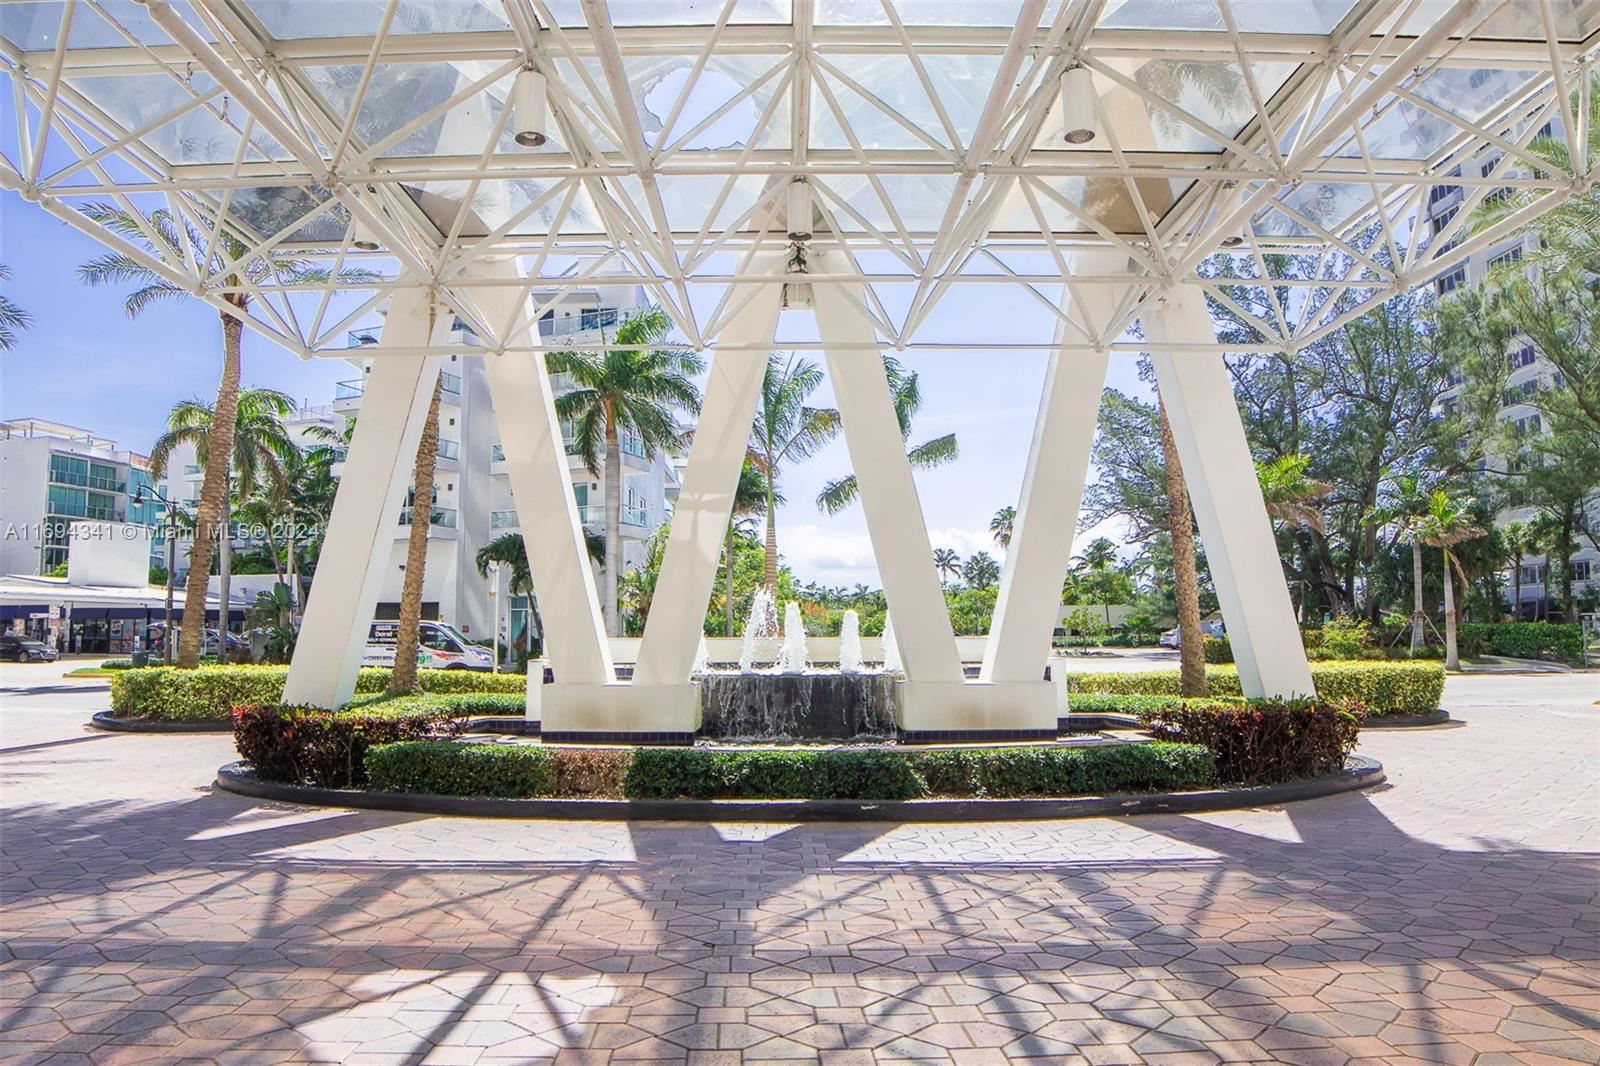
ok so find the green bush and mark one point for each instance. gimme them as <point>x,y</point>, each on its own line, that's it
<point>449,768</point>
<point>1051,771</point>
<point>697,773</point>
<point>1399,687</point>
<point>211,693</point>
<point>1264,742</point>
<point>1218,650</point>
<point>311,746</point>
<point>1523,640</point>
<point>116,664</point>
<point>1111,703</point>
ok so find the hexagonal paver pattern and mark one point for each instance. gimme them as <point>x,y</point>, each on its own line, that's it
<point>1449,917</point>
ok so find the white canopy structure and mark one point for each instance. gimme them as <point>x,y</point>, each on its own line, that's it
<point>1117,160</point>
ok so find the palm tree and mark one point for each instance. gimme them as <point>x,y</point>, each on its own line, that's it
<point>947,562</point>
<point>259,446</point>
<point>1406,510</point>
<point>906,392</point>
<point>749,500</point>
<point>981,571</point>
<point>632,389</point>
<point>1445,524</point>
<point>1520,540</point>
<point>12,317</point>
<point>408,635</point>
<point>786,430</point>
<point>1098,562</point>
<point>228,263</point>
<point>1002,525</point>
<point>1290,493</point>
<point>509,551</point>
<point>1185,569</point>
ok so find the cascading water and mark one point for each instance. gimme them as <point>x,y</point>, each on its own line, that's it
<point>702,659</point>
<point>850,644</point>
<point>793,659</point>
<point>891,650</point>
<point>759,630</point>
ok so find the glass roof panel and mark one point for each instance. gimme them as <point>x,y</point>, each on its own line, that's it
<point>33,27</point>
<point>1521,20</point>
<point>287,19</point>
<point>1106,200</point>
<point>1252,16</point>
<point>494,203</point>
<point>1330,205</point>
<point>657,82</point>
<point>271,209</point>
<point>689,198</point>
<point>919,200</point>
<point>1408,131</point>
<point>199,135</point>
<point>569,13</point>
<point>919,12</point>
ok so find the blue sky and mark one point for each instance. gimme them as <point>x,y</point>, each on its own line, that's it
<point>86,364</point>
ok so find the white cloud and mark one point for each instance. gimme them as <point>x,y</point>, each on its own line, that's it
<point>845,557</point>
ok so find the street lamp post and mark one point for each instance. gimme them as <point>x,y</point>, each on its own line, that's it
<point>157,496</point>
<point>494,614</point>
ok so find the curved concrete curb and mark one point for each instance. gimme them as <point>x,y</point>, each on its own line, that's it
<point>110,722</point>
<point>1407,721</point>
<point>1359,772</point>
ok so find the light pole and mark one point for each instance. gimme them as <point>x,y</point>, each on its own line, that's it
<point>494,614</point>
<point>157,496</point>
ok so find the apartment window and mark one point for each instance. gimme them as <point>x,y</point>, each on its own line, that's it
<point>1518,393</point>
<point>1530,424</point>
<point>1452,378</point>
<point>1520,358</point>
<point>1494,196</point>
<point>1548,129</point>
<point>1451,281</point>
<point>72,503</point>
<point>1490,163</point>
<point>1506,258</point>
<point>1580,570</point>
<point>1533,573</point>
<point>68,469</point>
<point>1449,407</point>
<point>101,506</point>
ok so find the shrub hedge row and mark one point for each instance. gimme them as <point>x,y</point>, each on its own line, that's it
<point>513,771</point>
<point>1522,640</point>
<point>1263,742</point>
<point>311,746</point>
<point>210,693</point>
<point>1384,688</point>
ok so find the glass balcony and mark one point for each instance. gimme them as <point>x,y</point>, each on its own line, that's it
<point>449,449</point>
<point>635,516</point>
<point>450,383</point>
<point>442,516</point>
<point>503,520</point>
<point>361,338</point>
<point>497,454</point>
<point>349,390</point>
<point>191,469</point>
<point>632,445</point>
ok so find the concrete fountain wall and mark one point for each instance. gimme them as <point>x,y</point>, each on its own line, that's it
<point>822,706</point>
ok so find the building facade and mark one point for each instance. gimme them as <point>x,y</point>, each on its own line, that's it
<point>1525,370</point>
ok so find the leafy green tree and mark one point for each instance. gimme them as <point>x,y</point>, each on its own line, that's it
<point>971,609</point>
<point>228,263</point>
<point>1404,508</point>
<point>749,500</point>
<point>1101,576</point>
<point>1445,524</point>
<point>1520,541</point>
<point>906,392</point>
<point>13,319</point>
<point>786,430</point>
<point>636,389</point>
<point>980,571</point>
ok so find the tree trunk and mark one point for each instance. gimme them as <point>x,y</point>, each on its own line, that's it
<point>213,492</point>
<point>1418,616</point>
<point>1452,660</point>
<point>1516,587</point>
<point>289,566</point>
<point>770,574</point>
<point>613,522</point>
<point>224,577</point>
<point>728,606</point>
<point>1185,576</point>
<point>403,678</point>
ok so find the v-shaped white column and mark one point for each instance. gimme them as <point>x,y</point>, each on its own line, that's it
<point>705,502</point>
<point>888,494</point>
<point>1052,488</point>
<point>1234,528</point>
<point>361,530</point>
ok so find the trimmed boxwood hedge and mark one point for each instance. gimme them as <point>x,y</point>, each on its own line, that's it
<point>1382,687</point>
<point>311,746</point>
<point>1523,640</point>
<point>526,771</point>
<point>210,693</point>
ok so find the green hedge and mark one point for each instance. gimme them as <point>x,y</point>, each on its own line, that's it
<point>1263,742</point>
<point>1523,640</point>
<point>311,746</point>
<point>1385,688</point>
<point>505,770</point>
<point>211,692</point>
<point>1112,703</point>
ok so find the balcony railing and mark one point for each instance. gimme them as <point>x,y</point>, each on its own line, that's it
<point>450,383</point>
<point>503,520</point>
<point>349,390</point>
<point>635,516</point>
<point>497,454</point>
<point>449,449</point>
<point>442,516</point>
<point>361,338</point>
<point>555,327</point>
<point>191,469</point>
<point>632,445</point>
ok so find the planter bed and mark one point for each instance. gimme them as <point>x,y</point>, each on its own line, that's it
<point>110,722</point>
<point>1359,773</point>
<point>1409,721</point>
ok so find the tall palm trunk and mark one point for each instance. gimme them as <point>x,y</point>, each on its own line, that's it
<point>1516,587</point>
<point>727,621</point>
<point>1185,575</point>
<point>613,521</point>
<point>289,565</point>
<point>213,495</point>
<point>224,576</point>
<point>403,679</point>
<point>1452,660</point>
<point>1418,615</point>
<point>770,573</point>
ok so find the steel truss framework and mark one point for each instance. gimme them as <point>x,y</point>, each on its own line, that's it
<point>929,134</point>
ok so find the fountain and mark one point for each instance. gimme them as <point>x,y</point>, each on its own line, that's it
<point>702,659</point>
<point>777,696</point>
<point>891,650</point>
<point>850,644</point>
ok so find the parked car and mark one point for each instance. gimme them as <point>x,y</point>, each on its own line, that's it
<point>439,647</point>
<point>1172,638</point>
<point>154,641</point>
<point>17,649</point>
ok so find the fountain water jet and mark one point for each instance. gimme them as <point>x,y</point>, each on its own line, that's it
<point>891,649</point>
<point>792,658</point>
<point>850,644</point>
<point>759,630</point>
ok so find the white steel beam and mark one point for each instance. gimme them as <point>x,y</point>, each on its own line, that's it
<point>1197,392</point>
<point>361,530</point>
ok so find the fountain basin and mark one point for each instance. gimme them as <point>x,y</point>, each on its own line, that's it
<point>824,706</point>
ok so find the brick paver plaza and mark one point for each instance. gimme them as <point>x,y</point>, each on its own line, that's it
<point>1449,916</point>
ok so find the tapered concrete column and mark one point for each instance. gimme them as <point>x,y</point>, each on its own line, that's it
<point>705,503</point>
<point>888,494</point>
<point>1234,528</point>
<point>541,490</point>
<point>361,530</point>
<point>1052,489</point>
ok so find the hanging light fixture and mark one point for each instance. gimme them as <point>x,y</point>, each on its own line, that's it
<point>1233,240</point>
<point>1079,123</point>
<point>362,238</point>
<point>797,295</point>
<point>799,211</point>
<point>530,109</point>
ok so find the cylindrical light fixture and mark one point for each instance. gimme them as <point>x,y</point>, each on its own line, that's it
<point>1078,120</point>
<point>799,211</point>
<point>1233,240</point>
<point>362,238</point>
<point>529,108</point>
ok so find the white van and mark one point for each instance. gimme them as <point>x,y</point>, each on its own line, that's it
<point>439,647</point>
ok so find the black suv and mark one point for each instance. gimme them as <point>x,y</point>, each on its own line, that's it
<point>25,650</point>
